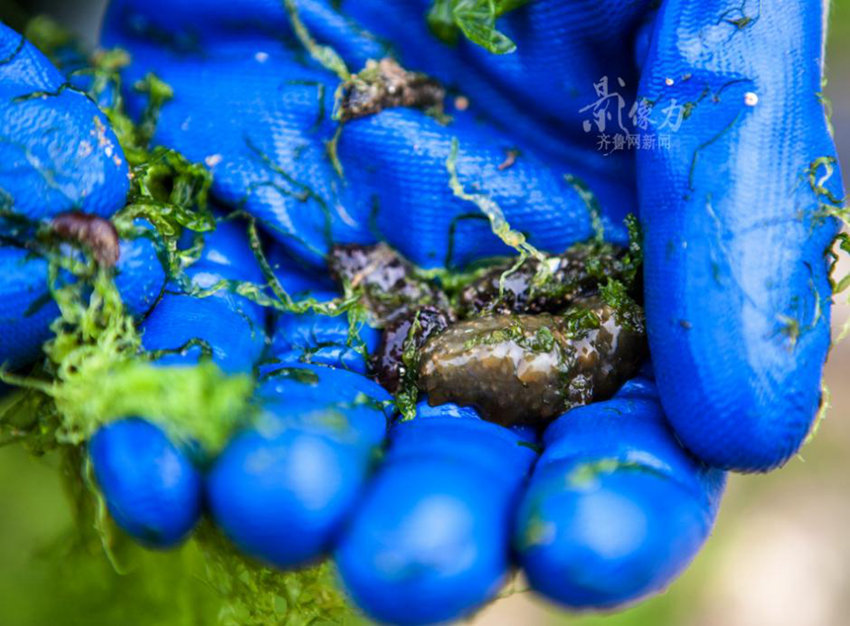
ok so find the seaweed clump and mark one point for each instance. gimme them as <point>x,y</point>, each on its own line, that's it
<point>521,342</point>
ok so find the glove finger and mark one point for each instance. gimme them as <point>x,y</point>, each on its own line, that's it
<point>265,140</point>
<point>736,226</point>
<point>615,509</point>
<point>184,327</point>
<point>152,490</point>
<point>429,540</point>
<point>366,404</point>
<point>58,152</point>
<point>230,327</point>
<point>27,308</point>
<point>322,339</point>
<point>281,490</point>
<point>539,90</point>
<point>312,337</point>
<point>298,281</point>
<point>139,275</point>
<point>150,486</point>
<point>398,160</point>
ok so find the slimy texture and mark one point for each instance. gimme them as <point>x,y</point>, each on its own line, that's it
<point>576,273</point>
<point>384,278</point>
<point>407,307</point>
<point>532,341</point>
<point>387,362</point>
<point>528,369</point>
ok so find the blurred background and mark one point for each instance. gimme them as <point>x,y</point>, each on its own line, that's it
<point>779,556</point>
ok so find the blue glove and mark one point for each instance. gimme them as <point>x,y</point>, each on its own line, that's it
<point>741,395</point>
<point>402,558</point>
<point>737,227</point>
<point>59,156</point>
<point>153,489</point>
<point>59,152</point>
<point>616,508</point>
<point>272,160</point>
<point>737,350</point>
<point>231,327</point>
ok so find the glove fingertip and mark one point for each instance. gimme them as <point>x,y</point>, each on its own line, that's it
<point>615,508</point>
<point>151,488</point>
<point>280,499</point>
<point>610,541</point>
<point>430,540</point>
<point>427,545</point>
<point>737,227</point>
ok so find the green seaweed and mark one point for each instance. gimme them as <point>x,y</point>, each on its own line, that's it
<point>260,596</point>
<point>582,476</point>
<point>408,390</point>
<point>578,320</point>
<point>592,204</point>
<point>476,19</point>
<point>588,473</point>
<point>303,191</point>
<point>205,581</point>
<point>826,103</point>
<point>170,192</point>
<point>514,331</point>
<point>823,411</point>
<point>332,150</point>
<point>629,313</point>
<point>829,206</point>
<point>326,56</point>
<point>331,60</point>
<point>498,224</point>
<point>96,341</point>
<point>706,144</point>
<point>96,346</point>
<point>491,210</point>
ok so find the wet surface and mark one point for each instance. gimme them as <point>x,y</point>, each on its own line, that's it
<point>574,274</point>
<point>387,360</point>
<point>385,279</point>
<point>528,369</point>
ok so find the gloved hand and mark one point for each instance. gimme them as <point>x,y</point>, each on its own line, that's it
<point>737,299</point>
<point>59,156</point>
<point>737,341</point>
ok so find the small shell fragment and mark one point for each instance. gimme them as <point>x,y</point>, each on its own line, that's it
<point>93,232</point>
